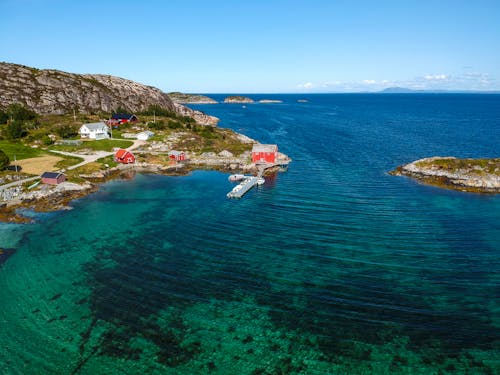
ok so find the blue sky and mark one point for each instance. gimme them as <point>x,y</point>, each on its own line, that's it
<point>262,45</point>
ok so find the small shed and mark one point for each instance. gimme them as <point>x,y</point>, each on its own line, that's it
<point>96,130</point>
<point>264,153</point>
<point>124,156</point>
<point>177,155</point>
<point>53,178</point>
<point>145,135</point>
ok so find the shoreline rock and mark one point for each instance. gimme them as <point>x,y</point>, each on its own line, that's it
<point>470,175</point>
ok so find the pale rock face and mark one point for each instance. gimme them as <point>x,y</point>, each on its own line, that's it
<point>56,92</point>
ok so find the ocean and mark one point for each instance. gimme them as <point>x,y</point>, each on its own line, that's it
<point>332,267</point>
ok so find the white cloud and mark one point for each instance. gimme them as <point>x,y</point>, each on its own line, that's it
<point>305,86</point>
<point>436,77</point>
<point>369,82</point>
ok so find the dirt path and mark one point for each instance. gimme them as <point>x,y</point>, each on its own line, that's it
<point>39,164</point>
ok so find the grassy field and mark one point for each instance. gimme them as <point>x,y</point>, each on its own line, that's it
<point>19,150</point>
<point>100,145</point>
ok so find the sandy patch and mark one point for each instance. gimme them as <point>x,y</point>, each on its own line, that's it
<point>39,165</point>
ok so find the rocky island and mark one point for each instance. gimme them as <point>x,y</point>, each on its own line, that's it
<point>238,99</point>
<point>182,98</point>
<point>471,175</point>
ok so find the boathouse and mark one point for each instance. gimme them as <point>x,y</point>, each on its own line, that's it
<point>96,130</point>
<point>177,155</point>
<point>124,156</point>
<point>53,178</point>
<point>121,118</point>
<point>264,153</point>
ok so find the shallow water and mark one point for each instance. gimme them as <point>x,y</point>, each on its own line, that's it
<point>331,267</point>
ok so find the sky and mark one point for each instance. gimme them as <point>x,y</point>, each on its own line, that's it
<point>262,46</point>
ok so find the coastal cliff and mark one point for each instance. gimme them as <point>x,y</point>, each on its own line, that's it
<point>472,175</point>
<point>48,91</point>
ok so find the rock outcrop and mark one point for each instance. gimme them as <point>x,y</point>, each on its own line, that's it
<point>55,92</point>
<point>238,99</point>
<point>474,175</point>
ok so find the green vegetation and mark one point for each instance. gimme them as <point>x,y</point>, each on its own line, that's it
<point>19,150</point>
<point>68,161</point>
<point>109,160</point>
<point>478,166</point>
<point>100,145</point>
<point>4,160</point>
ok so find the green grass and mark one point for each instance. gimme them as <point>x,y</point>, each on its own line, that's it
<point>68,161</point>
<point>100,145</point>
<point>19,150</point>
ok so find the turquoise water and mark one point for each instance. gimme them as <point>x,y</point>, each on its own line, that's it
<point>332,267</point>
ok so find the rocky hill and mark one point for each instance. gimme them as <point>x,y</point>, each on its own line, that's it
<point>55,92</point>
<point>474,175</point>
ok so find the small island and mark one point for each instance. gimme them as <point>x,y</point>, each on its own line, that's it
<point>238,99</point>
<point>270,101</point>
<point>182,98</point>
<point>471,175</point>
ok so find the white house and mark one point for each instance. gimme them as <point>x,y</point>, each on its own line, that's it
<point>145,135</point>
<point>96,130</point>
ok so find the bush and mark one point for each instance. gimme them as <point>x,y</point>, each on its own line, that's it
<point>66,131</point>
<point>157,110</point>
<point>158,125</point>
<point>4,160</point>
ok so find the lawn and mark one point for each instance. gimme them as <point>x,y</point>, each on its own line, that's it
<point>100,145</point>
<point>19,150</point>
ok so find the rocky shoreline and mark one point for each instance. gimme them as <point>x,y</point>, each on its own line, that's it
<point>55,198</point>
<point>470,175</point>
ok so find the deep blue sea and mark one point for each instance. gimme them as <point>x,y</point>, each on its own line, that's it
<point>332,267</point>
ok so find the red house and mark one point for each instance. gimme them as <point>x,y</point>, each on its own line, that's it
<point>264,153</point>
<point>121,118</point>
<point>124,156</point>
<point>53,178</point>
<point>177,155</point>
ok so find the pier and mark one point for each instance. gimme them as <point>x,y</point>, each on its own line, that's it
<point>243,187</point>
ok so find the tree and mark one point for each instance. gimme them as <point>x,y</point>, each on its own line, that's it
<point>18,112</point>
<point>15,129</point>
<point>3,117</point>
<point>4,160</point>
<point>66,131</point>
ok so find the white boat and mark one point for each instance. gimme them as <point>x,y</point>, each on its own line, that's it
<point>260,180</point>
<point>236,177</point>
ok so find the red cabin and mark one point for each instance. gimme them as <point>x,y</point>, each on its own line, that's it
<point>124,156</point>
<point>177,155</point>
<point>264,153</point>
<point>53,178</point>
<point>121,118</point>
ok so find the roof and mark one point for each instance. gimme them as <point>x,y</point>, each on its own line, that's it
<point>122,152</point>
<point>118,116</point>
<point>175,153</point>
<point>95,126</point>
<point>264,148</point>
<point>51,175</point>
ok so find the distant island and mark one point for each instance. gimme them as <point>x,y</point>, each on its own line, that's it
<point>238,99</point>
<point>182,98</point>
<point>404,90</point>
<point>270,101</point>
<point>472,175</point>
